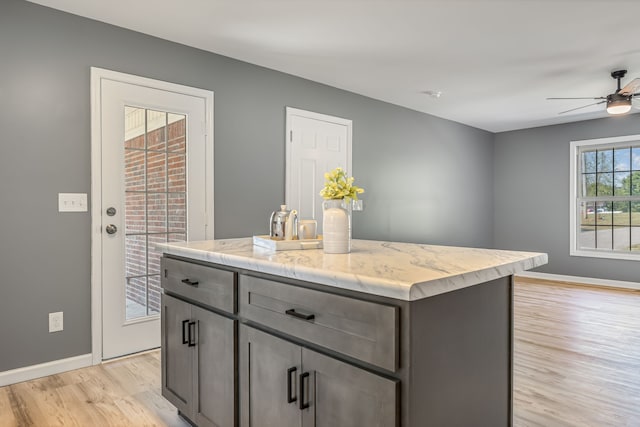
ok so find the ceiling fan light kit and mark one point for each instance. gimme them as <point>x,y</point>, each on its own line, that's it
<point>620,101</point>
<point>618,104</point>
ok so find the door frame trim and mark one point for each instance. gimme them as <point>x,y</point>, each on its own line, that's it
<point>289,112</point>
<point>97,75</point>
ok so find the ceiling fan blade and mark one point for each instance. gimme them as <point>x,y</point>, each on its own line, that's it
<point>599,97</point>
<point>584,106</point>
<point>631,87</point>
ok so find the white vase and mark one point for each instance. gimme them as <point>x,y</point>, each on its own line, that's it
<point>336,227</point>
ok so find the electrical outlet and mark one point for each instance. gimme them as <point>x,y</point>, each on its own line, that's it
<point>56,321</point>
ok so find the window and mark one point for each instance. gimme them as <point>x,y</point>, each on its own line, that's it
<point>605,197</point>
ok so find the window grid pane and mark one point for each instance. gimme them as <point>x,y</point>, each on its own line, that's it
<point>622,159</point>
<point>588,185</point>
<point>635,158</point>
<point>604,184</point>
<point>587,230</point>
<point>634,183</point>
<point>604,161</point>
<point>622,183</point>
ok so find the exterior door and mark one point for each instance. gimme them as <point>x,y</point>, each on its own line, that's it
<point>156,187</point>
<point>316,143</point>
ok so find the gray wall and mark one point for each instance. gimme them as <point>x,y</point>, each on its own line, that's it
<point>428,180</point>
<point>532,195</point>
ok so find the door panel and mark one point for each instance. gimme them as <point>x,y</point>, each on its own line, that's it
<point>316,144</point>
<point>214,378</point>
<point>264,377</point>
<point>346,396</point>
<point>177,381</point>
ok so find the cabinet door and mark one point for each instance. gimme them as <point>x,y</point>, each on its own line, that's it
<point>214,374</point>
<point>177,379</point>
<point>269,371</point>
<point>342,395</point>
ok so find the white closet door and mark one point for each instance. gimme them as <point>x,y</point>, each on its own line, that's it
<point>316,143</point>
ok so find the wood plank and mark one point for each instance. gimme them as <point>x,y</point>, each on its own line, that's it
<point>7,419</point>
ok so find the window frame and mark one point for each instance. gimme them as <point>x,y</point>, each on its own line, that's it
<point>575,199</point>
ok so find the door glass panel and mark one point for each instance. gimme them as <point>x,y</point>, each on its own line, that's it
<point>177,206</point>
<point>156,172</point>
<point>157,212</point>
<point>155,201</point>
<point>135,252</point>
<point>135,212</point>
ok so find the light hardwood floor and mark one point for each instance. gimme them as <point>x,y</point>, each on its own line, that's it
<point>577,356</point>
<point>577,363</point>
<point>121,393</point>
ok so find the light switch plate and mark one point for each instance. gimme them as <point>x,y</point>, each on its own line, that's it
<point>56,321</point>
<point>72,202</point>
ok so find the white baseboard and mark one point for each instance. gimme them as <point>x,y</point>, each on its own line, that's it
<point>42,370</point>
<point>581,280</point>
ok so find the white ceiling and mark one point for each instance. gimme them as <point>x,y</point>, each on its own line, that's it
<point>495,62</point>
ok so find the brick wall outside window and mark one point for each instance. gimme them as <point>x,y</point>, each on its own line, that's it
<point>155,207</point>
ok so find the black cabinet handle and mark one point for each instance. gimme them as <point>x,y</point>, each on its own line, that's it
<point>294,313</point>
<point>192,336</point>
<point>184,337</point>
<point>289,387</point>
<point>302,404</point>
<point>189,282</point>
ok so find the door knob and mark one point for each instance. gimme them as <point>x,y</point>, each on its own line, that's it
<point>111,229</point>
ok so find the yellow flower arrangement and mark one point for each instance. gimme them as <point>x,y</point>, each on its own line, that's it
<point>338,186</point>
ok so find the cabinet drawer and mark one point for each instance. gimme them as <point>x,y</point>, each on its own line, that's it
<point>364,330</point>
<point>207,285</point>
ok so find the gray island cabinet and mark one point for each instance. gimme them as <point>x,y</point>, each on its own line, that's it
<point>392,334</point>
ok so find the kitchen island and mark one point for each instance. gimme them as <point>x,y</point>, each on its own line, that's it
<point>392,334</point>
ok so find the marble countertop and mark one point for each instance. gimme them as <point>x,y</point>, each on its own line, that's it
<point>404,271</point>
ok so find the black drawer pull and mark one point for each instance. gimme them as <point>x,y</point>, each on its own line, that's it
<point>189,282</point>
<point>294,313</point>
<point>184,336</point>
<point>302,404</point>
<point>289,387</point>
<point>192,336</point>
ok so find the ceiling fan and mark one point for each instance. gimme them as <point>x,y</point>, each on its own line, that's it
<point>618,102</point>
